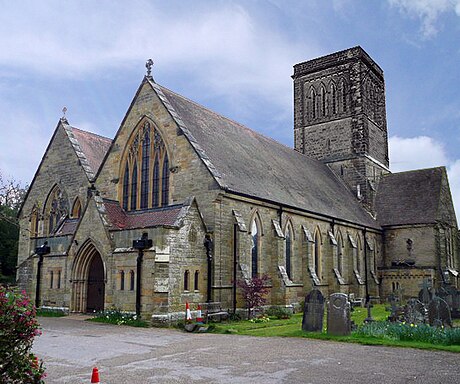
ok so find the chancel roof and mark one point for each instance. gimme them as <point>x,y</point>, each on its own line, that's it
<point>245,162</point>
<point>411,197</point>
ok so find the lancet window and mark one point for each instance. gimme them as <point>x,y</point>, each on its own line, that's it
<point>145,171</point>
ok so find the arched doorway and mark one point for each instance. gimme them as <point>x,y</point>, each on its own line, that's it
<point>95,292</point>
<point>88,280</point>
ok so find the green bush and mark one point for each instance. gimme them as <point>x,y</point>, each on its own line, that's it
<point>18,328</point>
<point>119,317</point>
<point>278,312</point>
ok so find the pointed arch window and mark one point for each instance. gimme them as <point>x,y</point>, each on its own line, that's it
<point>122,280</point>
<point>333,99</point>
<point>146,174</point>
<point>76,208</point>
<point>51,279</point>
<point>288,251</point>
<point>34,218</point>
<point>56,209</point>
<point>255,236</point>
<point>317,255</point>
<point>313,104</point>
<point>323,101</point>
<point>343,91</point>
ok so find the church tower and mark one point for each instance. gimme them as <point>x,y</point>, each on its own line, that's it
<point>340,118</point>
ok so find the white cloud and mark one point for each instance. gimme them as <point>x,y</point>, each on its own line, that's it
<point>424,152</point>
<point>428,11</point>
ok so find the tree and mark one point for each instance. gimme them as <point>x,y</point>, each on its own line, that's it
<point>254,291</point>
<point>11,197</point>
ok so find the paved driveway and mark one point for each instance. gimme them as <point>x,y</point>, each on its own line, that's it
<point>71,348</point>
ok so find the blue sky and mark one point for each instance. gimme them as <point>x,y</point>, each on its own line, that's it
<point>234,57</point>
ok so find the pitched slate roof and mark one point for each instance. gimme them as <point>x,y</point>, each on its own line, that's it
<point>89,147</point>
<point>409,197</point>
<point>68,227</point>
<point>248,163</point>
<point>169,216</point>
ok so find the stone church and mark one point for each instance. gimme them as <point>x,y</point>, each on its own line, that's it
<point>183,202</point>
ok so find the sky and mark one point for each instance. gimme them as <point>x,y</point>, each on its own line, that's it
<point>234,57</point>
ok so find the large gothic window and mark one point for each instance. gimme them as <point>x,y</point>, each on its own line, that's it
<point>255,235</point>
<point>145,171</point>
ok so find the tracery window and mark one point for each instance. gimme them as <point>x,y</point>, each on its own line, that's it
<point>145,172</point>
<point>56,209</point>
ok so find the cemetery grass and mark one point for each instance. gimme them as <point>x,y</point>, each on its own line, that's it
<point>292,327</point>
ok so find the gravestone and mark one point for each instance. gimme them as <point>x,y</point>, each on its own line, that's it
<point>396,310</point>
<point>313,312</point>
<point>426,293</point>
<point>451,296</point>
<point>439,313</point>
<point>414,312</point>
<point>338,315</point>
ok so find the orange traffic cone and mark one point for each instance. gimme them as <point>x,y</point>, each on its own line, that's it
<point>95,376</point>
<point>188,314</point>
<point>199,318</point>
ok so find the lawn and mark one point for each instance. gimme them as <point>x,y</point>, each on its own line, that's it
<point>292,327</point>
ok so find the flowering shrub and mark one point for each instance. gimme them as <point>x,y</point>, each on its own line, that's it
<point>118,317</point>
<point>260,319</point>
<point>18,328</point>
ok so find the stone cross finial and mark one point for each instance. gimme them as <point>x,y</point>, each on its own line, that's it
<point>64,110</point>
<point>149,65</point>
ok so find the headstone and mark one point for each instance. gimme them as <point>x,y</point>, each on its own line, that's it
<point>425,295</point>
<point>414,312</point>
<point>313,312</point>
<point>451,295</point>
<point>338,315</point>
<point>439,313</point>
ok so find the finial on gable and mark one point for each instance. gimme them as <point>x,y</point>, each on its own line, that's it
<point>148,65</point>
<point>64,118</point>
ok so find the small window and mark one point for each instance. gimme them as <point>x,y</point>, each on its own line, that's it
<point>59,279</point>
<point>186,280</point>
<point>51,279</point>
<point>196,281</point>
<point>76,208</point>
<point>131,280</point>
<point>122,280</point>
